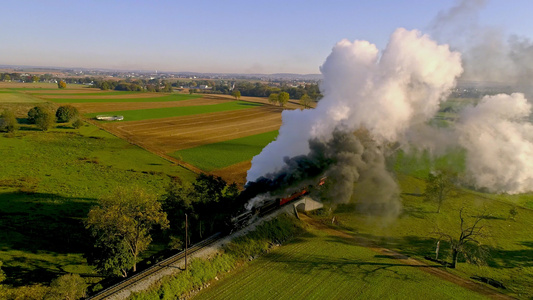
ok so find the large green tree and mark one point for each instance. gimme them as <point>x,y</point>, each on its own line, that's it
<point>273,98</point>
<point>66,113</point>
<point>305,101</point>
<point>121,225</point>
<point>236,94</point>
<point>45,120</point>
<point>208,202</point>
<point>283,98</point>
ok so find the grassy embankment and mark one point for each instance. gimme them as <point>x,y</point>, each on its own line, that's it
<point>49,181</point>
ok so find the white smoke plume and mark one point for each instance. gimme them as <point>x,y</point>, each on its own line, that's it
<point>499,143</point>
<point>257,201</point>
<point>387,95</point>
<point>489,54</point>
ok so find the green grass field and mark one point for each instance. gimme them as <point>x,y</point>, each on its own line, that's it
<point>167,112</point>
<point>157,98</point>
<point>510,242</point>
<point>321,266</point>
<point>224,154</point>
<point>48,183</point>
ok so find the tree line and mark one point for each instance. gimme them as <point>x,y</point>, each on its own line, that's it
<point>42,116</point>
<point>122,224</point>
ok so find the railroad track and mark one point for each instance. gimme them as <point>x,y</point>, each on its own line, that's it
<point>128,282</point>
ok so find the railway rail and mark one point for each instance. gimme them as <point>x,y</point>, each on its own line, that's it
<point>128,282</point>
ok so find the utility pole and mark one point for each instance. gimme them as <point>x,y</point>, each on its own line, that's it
<point>186,240</point>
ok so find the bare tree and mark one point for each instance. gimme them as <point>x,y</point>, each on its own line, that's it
<point>467,242</point>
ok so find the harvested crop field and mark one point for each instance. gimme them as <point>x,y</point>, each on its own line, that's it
<point>172,134</point>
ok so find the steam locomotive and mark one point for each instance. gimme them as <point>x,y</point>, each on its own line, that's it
<point>250,215</point>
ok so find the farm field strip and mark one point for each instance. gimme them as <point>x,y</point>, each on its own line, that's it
<point>223,154</point>
<point>160,113</point>
<point>149,97</point>
<point>162,139</point>
<point>200,127</point>
<point>170,144</point>
<point>194,121</point>
<point>216,138</point>
<point>115,106</point>
<point>105,96</point>
<point>81,92</point>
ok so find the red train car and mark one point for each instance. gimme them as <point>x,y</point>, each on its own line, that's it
<point>296,195</point>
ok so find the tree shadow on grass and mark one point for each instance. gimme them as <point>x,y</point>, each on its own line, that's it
<point>29,128</point>
<point>40,224</point>
<point>349,267</point>
<point>522,258</point>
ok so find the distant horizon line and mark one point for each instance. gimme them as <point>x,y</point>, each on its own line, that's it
<point>8,66</point>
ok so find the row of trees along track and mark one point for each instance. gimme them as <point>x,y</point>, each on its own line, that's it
<point>181,200</point>
<point>167,263</point>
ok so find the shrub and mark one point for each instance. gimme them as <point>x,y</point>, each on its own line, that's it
<point>68,286</point>
<point>45,120</point>
<point>77,124</point>
<point>34,113</point>
<point>66,113</point>
<point>8,122</point>
<point>61,84</point>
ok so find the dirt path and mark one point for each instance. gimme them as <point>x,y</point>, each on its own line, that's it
<point>435,271</point>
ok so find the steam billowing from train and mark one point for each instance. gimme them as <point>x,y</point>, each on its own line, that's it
<point>375,102</point>
<point>383,97</point>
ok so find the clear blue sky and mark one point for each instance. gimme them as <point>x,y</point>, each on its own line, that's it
<point>252,36</point>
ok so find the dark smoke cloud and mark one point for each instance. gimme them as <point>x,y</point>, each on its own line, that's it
<point>351,163</point>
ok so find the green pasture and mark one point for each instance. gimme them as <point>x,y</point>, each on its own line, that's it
<point>224,154</point>
<point>322,266</point>
<point>167,112</point>
<point>510,242</point>
<point>156,98</point>
<point>49,181</point>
